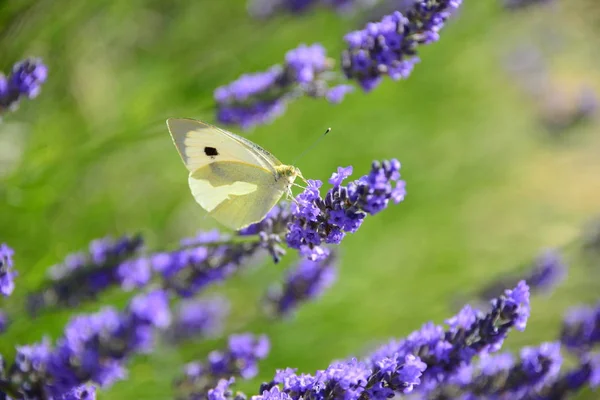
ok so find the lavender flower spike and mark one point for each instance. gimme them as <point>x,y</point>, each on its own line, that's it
<point>199,318</point>
<point>389,47</point>
<point>581,329</point>
<point>469,333</point>
<point>258,98</point>
<point>7,275</point>
<point>82,275</point>
<point>25,80</point>
<point>271,229</point>
<point>416,364</point>
<point>240,359</point>
<point>28,377</point>
<point>352,379</point>
<point>316,221</point>
<point>498,376</point>
<point>189,270</point>
<point>95,347</point>
<point>3,322</point>
<point>587,373</point>
<point>308,279</point>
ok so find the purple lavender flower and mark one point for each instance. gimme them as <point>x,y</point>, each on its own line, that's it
<point>500,377</point>
<point>316,220</point>
<point>134,273</point>
<point>7,275</point>
<point>240,359</point>
<point>581,329</point>
<point>221,391</point>
<point>389,47</point>
<point>548,271</point>
<point>420,363</point>
<point>188,271</point>
<point>585,374</point>
<point>25,80</point>
<point>306,280</point>
<point>26,377</point>
<point>199,318</point>
<point>270,230</point>
<point>273,394</point>
<point>81,276</point>
<point>470,333</point>
<point>96,347</point>
<point>83,392</point>
<point>350,379</point>
<point>3,322</point>
<point>93,348</point>
<point>258,98</point>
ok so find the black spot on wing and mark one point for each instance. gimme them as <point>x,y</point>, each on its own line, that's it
<point>211,151</point>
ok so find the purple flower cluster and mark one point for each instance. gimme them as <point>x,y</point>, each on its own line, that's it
<point>94,348</point>
<point>28,377</point>
<point>304,281</point>
<point>3,322</point>
<point>351,380</point>
<point>199,318</point>
<point>470,333</point>
<point>499,376</point>
<point>586,373</point>
<point>270,230</point>
<point>581,329</point>
<point>316,221</point>
<point>239,359</point>
<point>25,80</point>
<point>201,262</point>
<point>389,47</point>
<point>258,98</point>
<point>81,276</point>
<point>422,362</point>
<point>7,284</point>
<point>7,275</point>
<point>548,271</point>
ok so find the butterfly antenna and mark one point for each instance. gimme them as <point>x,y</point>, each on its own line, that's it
<point>316,142</point>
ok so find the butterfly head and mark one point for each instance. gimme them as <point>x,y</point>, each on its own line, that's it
<point>288,172</point>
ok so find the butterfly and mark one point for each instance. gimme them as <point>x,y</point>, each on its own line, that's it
<point>235,180</point>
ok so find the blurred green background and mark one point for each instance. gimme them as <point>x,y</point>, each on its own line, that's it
<point>488,187</point>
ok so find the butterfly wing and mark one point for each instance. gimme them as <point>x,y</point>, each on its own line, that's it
<point>200,144</point>
<point>234,193</point>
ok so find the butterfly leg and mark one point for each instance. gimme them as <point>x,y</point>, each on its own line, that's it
<point>290,196</point>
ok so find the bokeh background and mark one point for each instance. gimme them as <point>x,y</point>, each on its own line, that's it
<point>489,185</point>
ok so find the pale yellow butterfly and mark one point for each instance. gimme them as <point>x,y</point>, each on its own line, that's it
<point>236,181</point>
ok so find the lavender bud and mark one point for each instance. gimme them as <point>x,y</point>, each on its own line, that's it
<point>7,275</point>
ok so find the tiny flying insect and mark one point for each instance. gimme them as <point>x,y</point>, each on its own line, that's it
<point>235,180</point>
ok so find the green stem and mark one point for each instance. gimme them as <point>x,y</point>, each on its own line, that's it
<point>9,389</point>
